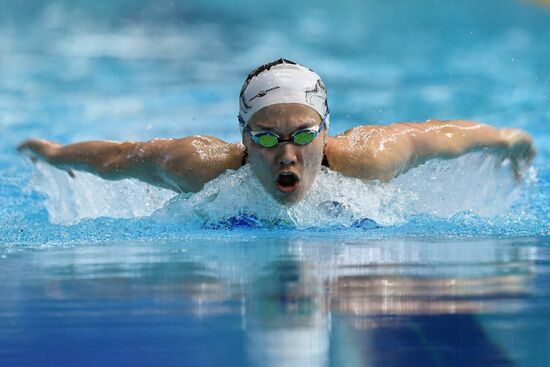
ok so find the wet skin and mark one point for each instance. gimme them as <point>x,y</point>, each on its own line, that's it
<point>299,163</point>
<point>287,171</point>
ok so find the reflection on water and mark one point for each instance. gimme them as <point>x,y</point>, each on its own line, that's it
<point>283,302</point>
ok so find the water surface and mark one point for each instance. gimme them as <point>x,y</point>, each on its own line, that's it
<point>447,265</point>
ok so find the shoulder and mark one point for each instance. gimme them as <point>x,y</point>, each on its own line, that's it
<point>198,148</point>
<point>199,158</point>
<point>370,151</point>
<point>366,139</point>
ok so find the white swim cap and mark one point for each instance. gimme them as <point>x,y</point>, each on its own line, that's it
<point>282,81</point>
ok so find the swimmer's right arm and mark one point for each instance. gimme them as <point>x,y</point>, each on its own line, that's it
<point>181,165</point>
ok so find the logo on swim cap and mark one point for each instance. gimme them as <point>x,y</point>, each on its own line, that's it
<point>281,81</point>
<point>263,93</point>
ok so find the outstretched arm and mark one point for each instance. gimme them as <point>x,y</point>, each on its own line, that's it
<point>182,165</point>
<point>383,152</point>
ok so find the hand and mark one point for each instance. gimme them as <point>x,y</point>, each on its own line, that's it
<point>519,149</point>
<point>40,149</point>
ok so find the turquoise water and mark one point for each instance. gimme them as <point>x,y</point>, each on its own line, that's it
<point>447,265</point>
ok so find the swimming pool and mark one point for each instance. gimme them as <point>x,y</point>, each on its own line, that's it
<point>448,265</point>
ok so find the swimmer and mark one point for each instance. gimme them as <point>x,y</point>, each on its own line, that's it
<point>284,119</point>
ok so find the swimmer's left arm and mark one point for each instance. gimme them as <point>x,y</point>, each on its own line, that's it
<point>383,152</point>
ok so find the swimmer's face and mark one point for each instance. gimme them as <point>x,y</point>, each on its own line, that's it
<point>286,170</point>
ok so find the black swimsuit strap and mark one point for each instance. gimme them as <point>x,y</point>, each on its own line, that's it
<point>324,162</point>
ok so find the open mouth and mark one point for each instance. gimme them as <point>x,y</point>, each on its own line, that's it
<point>287,182</point>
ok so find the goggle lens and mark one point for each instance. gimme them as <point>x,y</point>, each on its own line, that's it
<point>267,140</point>
<point>304,137</point>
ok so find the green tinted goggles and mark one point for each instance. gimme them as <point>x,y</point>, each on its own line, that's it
<point>269,139</point>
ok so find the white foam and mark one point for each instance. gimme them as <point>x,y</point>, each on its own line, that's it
<point>476,183</point>
<point>72,200</point>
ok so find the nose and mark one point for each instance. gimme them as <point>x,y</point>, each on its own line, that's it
<point>287,155</point>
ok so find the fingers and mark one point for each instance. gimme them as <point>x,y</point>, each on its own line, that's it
<point>31,144</point>
<point>23,146</point>
<point>521,159</point>
<point>27,147</point>
<point>519,149</point>
<point>531,155</point>
<point>519,144</point>
<point>38,148</point>
<point>516,170</point>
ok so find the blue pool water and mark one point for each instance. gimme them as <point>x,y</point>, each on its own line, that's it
<point>446,265</point>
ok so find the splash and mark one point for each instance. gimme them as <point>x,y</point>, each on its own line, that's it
<point>72,200</point>
<point>475,183</point>
<point>333,200</point>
